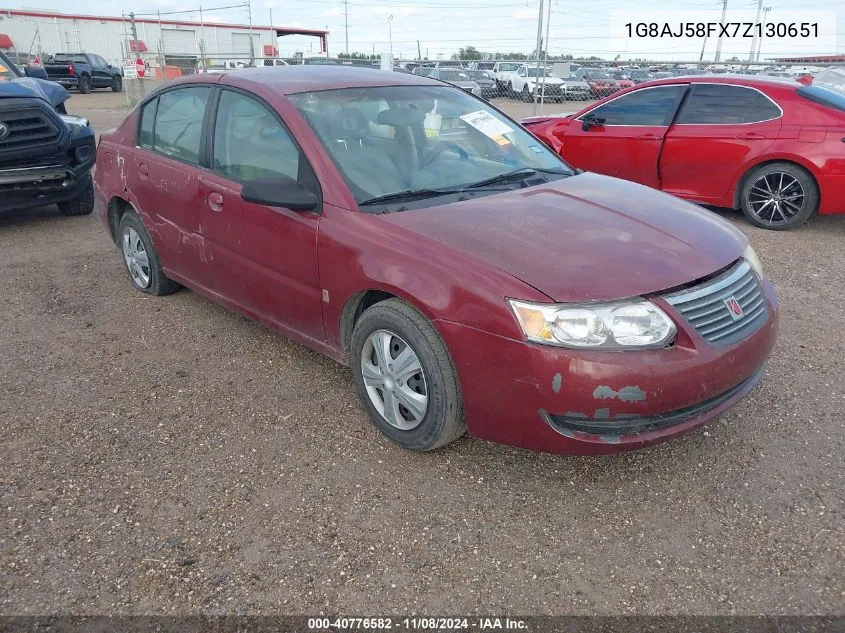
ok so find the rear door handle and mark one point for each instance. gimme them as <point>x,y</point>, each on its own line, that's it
<point>143,172</point>
<point>751,136</point>
<point>649,137</point>
<point>215,201</point>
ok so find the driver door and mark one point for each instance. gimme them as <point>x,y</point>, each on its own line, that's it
<point>263,259</point>
<point>628,142</point>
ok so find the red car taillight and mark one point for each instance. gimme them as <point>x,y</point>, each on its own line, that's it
<point>70,70</point>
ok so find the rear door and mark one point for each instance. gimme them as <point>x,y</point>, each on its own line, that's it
<point>263,258</point>
<point>718,131</point>
<point>628,144</point>
<point>162,176</point>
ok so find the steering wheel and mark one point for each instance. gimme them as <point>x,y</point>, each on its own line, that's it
<point>438,149</point>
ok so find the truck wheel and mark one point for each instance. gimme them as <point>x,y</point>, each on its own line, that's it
<point>84,84</point>
<point>116,84</point>
<point>405,377</point>
<point>141,260</point>
<point>83,204</point>
<point>526,95</point>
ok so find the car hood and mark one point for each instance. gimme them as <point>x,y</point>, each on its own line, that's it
<point>584,238</point>
<point>38,88</point>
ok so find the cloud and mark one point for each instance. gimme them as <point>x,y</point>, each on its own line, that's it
<point>525,14</point>
<point>395,10</point>
<point>332,13</point>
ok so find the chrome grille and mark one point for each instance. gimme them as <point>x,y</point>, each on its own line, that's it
<point>706,306</point>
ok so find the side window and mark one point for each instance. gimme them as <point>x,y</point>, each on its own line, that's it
<point>178,122</point>
<point>711,104</point>
<point>249,141</point>
<point>99,61</point>
<point>145,130</point>
<point>649,106</point>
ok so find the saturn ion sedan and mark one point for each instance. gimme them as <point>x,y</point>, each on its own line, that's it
<point>470,278</point>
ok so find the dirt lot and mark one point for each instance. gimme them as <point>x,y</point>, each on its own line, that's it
<point>163,455</point>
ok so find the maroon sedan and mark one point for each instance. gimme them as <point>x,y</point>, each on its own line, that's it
<point>469,277</point>
<point>775,149</point>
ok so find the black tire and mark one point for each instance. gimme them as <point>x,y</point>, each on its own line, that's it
<point>84,84</point>
<point>511,91</point>
<point>83,204</point>
<point>443,420</point>
<point>116,84</point>
<point>159,284</point>
<point>526,95</point>
<point>783,216</point>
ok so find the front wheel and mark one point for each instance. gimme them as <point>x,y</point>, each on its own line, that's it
<point>116,84</point>
<point>526,95</point>
<point>83,204</point>
<point>405,378</point>
<point>779,196</point>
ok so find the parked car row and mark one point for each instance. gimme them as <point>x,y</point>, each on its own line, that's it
<point>406,228</point>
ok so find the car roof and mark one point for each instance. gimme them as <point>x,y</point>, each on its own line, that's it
<point>754,81</point>
<point>305,78</point>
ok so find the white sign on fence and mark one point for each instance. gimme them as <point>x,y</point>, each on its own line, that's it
<point>130,70</point>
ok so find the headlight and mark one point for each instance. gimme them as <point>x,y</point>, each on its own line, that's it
<point>631,324</point>
<point>74,121</point>
<point>751,257</point>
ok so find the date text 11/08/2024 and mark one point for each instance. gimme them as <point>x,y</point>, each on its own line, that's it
<point>415,623</point>
<point>728,29</point>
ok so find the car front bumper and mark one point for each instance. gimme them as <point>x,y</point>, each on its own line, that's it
<point>587,402</point>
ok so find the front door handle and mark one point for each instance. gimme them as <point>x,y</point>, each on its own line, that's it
<point>751,136</point>
<point>649,137</point>
<point>143,172</point>
<point>215,201</point>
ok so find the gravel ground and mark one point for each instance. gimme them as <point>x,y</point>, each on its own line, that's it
<point>161,455</point>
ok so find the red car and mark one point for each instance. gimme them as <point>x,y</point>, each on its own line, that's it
<point>601,82</point>
<point>467,275</point>
<point>775,149</point>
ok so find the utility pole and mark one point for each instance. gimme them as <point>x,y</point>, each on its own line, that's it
<point>390,32</point>
<point>545,57</point>
<point>275,36</point>
<point>762,26</point>
<point>251,42</point>
<point>756,26</point>
<point>202,41</point>
<point>346,23</point>
<point>701,57</point>
<point>419,52</point>
<point>135,46</point>
<point>539,46</point>
<point>721,23</point>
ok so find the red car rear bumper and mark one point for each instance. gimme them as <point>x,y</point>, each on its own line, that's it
<point>586,402</point>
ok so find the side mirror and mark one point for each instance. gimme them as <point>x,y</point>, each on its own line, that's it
<point>279,192</point>
<point>591,120</point>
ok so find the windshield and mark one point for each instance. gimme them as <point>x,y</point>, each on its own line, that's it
<point>7,69</point>
<point>532,72</point>
<point>476,74</point>
<point>508,67</point>
<point>394,139</point>
<point>64,57</point>
<point>640,74</point>
<point>598,74</point>
<point>453,75</point>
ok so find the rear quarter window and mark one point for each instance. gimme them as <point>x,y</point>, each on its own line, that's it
<point>828,97</point>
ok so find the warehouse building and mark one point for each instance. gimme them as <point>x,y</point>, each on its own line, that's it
<point>160,42</point>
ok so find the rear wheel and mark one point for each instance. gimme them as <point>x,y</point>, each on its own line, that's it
<point>405,378</point>
<point>779,196</point>
<point>141,259</point>
<point>84,84</point>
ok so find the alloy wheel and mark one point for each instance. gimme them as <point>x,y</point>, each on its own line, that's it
<point>136,257</point>
<point>775,198</point>
<point>394,379</point>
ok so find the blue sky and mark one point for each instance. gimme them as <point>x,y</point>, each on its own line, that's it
<point>442,26</point>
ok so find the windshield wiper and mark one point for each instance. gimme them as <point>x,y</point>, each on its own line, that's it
<point>407,196</point>
<point>516,174</point>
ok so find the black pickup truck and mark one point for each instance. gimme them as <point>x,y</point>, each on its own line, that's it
<point>46,155</point>
<point>84,71</point>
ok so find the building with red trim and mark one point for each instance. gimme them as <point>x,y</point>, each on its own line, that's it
<point>162,41</point>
